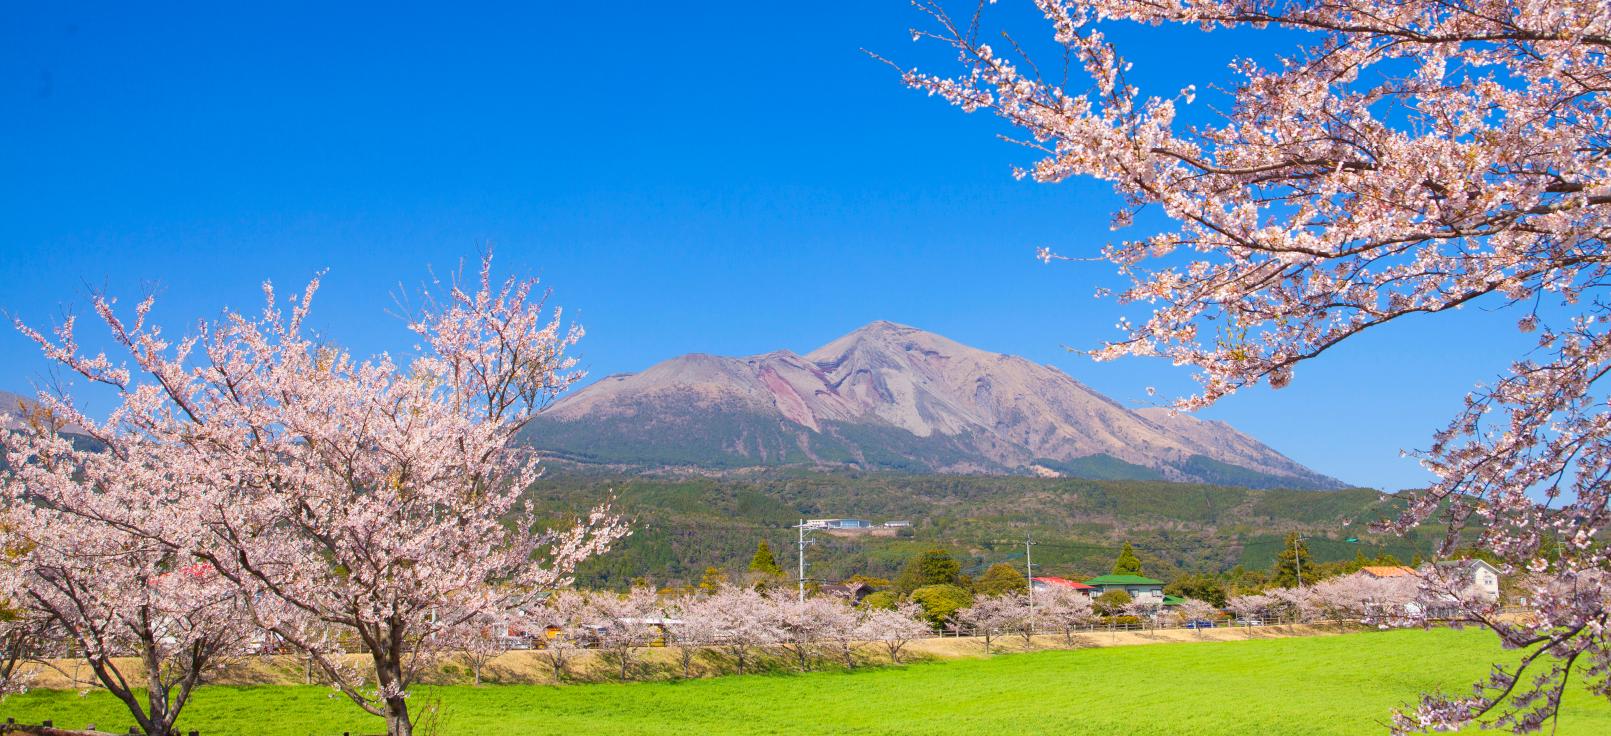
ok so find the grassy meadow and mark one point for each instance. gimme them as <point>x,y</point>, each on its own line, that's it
<point>1312,686</point>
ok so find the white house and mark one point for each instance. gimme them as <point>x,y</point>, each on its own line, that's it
<point>1481,577</point>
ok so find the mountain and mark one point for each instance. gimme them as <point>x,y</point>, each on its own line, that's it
<point>13,408</point>
<point>893,397</point>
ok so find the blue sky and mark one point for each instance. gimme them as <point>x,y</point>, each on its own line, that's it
<point>716,177</point>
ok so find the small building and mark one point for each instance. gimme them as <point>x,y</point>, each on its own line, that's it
<point>838,524</point>
<point>1046,583</point>
<point>850,591</point>
<point>1480,577</point>
<point>1137,586</point>
<point>898,524</point>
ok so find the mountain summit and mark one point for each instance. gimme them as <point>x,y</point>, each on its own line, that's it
<point>895,397</point>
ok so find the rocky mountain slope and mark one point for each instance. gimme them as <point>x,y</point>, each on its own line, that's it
<point>888,396</point>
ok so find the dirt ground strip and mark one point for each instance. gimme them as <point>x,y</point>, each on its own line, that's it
<point>529,667</point>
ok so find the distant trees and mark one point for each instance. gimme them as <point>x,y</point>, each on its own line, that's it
<point>933,567</point>
<point>941,602</point>
<point>692,634</point>
<point>764,569</point>
<point>743,624</point>
<point>894,628</point>
<point>623,624</point>
<point>1191,611</point>
<point>476,641</point>
<point>1250,607</point>
<point>803,625</point>
<point>1112,603</point>
<point>1127,563</point>
<point>1293,560</point>
<point>1202,587</point>
<point>1145,608</point>
<point>1065,610</point>
<point>1367,598</point>
<point>713,580</point>
<point>1000,579</point>
<point>742,620</point>
<point>561,626</point>
<point>992,616</point>
<point>886,599</point>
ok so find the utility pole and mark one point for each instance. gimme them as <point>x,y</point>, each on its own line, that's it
<point>1297,559</point>
<point>802,560</point>
<point>1029,574</point>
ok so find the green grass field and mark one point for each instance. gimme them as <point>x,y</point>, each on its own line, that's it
<point>1311,686</point>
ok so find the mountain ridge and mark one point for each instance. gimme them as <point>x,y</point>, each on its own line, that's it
<point>891,396</point>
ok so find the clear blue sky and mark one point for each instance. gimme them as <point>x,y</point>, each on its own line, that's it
<point>719,177</point>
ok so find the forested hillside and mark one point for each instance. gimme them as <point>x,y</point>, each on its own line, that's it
<point>683,525</point>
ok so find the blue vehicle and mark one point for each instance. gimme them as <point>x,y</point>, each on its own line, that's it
<point>1199,623</point>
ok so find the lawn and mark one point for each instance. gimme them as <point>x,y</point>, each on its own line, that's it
<point>1312,686</point>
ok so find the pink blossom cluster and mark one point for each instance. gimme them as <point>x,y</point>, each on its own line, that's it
<point>257,487</point>
<point>1405,158</point>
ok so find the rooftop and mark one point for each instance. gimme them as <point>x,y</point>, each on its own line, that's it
<point>1064,582</point>
<point>1387,571</point>
<point>1122,580</point>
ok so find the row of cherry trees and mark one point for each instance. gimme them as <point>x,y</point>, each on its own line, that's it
<point>734,626</point>
<point>738,625</point>
<point>256,487</point>
<point>1397,600</point>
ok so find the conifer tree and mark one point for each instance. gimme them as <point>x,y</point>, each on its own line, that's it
<point>1293,560</point>
<point>764,562</point>
<point>1128,563</point>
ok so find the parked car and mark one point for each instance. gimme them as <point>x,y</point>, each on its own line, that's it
<point>1199,623</point>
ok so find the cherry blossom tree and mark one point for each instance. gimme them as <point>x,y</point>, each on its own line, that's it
<point>1295,605</point>
<point>1145,608</point>
<point>843,627</point>
<point>803,625</point>
<point>1404,158</point>
<point>347,499</point>
<point>992,616</point>
<point>1191,610</point>
<point>742,620</point>
<point>559,626</point>
<point>87,566</point>
<point>624,623</point>
<point>1251,607</point>
<point>1065,610</point>
<point>692,634</point>
<point>21,642</point>
<point>1368,598</point>
<point>894,628</point>
<point>477,641</point>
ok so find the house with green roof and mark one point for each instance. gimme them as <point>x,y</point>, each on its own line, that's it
<point>1136,585</point>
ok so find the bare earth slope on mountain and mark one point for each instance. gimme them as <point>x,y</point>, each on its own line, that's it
<point>891,396</point>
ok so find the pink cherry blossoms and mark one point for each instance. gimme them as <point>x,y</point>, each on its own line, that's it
<point>1406,158</point>
<point>326,501</point>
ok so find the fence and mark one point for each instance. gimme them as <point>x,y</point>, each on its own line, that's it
<point>48,728</point>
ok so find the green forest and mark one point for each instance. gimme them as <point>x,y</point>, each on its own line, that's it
<point>683,525</point>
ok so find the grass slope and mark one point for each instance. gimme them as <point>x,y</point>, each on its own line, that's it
<point>1310,686</point>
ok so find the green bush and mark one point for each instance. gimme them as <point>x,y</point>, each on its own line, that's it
<point>881,599</point>
<point>941,602</point>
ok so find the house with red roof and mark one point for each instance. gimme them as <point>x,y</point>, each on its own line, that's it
<point>1051,583</point>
